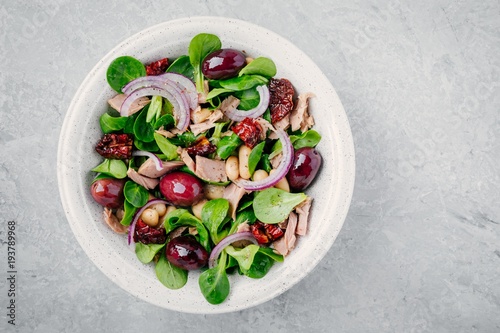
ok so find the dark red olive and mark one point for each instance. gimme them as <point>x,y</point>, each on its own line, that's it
<point>306,163</point>
<point>181,189</point>
<point>223,64</point>
<point>108,192</point>
<point>185,252</point>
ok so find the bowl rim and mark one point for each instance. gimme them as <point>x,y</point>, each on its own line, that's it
<point>347,146</point>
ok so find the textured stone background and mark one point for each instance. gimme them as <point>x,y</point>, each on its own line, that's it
<point>420,249</point>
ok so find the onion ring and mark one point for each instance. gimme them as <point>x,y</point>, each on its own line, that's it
<point>264,97</point>
<point>142,82</point>
<point>172,94</point>
<point>281,170</point>
<point>187,87</point>
<point>156,159</point>
<point>247,235</point>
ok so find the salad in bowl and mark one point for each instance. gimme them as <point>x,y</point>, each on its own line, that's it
<point>149,165</point>
<point>206,158</point>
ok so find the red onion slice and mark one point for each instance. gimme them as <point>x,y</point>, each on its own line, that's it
<point>239,115</point>
<point>187,86</point>
<point>281,170</point>
<point>142,82</point>
<point>156,159</point>
<point>183,83</point>
<point>160,81</point>
<point>131,228</point>
<point>247,235</point>
<point>180,96</point>
<point>147,91</point>
<point>181,112</point>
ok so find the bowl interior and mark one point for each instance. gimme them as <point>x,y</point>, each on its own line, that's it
<point>332,190</point>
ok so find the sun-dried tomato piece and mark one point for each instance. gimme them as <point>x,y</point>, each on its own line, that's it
<point>201,147</point>
<point>249,131</point>
<point>281,98</point>
<point>149,235</point>
<point>157,67</point>
<point>274,231</point>
<point>115,146</point>
<point>266,233</point>
<point>259,232</point>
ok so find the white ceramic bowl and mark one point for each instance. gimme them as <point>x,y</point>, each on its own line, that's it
<point>331,191</point>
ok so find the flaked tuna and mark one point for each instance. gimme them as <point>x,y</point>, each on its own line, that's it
<point>113,222</point>
<point>149,183</point>
<point>148,168</point>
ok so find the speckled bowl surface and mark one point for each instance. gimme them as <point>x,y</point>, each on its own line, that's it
<point>332,190</point>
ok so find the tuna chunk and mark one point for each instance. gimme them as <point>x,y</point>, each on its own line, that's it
<point>112,221</point>
<point>177,232</point>
<point>148,168</point>
<point>303,212</point>
<point>211,170</point>
<point>230,103</point>
<point>117,101</point>
<point>265,124</point>
<point>286,243</point>
<point>149,183</point>
<point>187,159</point>
<point>233,193</point>
<point>165,133</point>
<point>282,124</point>
<point>280,246</point>
<point>283,224</point>
<point>290,231</point>
<point>276,160</point>
<point>207,124</point>
<point>244,227</point>
<point>199,115</point>
<point>300,118</point>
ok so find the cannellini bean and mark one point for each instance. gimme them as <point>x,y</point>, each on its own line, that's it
<point>282,184</point>
<point>243,154</point>
<point>197,207</point>
<point>170,209</point>
<point>213,191</point>
<point>150,217</point>
<point>259,175</point>
<point>232,168</point>
<point>160,208</point>
<point>161,219</point>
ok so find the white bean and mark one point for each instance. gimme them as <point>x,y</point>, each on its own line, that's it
<point>150,217</point>
<point>213,191</point>
<point>160,208</point>
<point>243,154</point>
<point>170,209</point>
<point>197,207</point>
<point>259,175</point>
<point>282,184</point>
<point>232,168</point>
